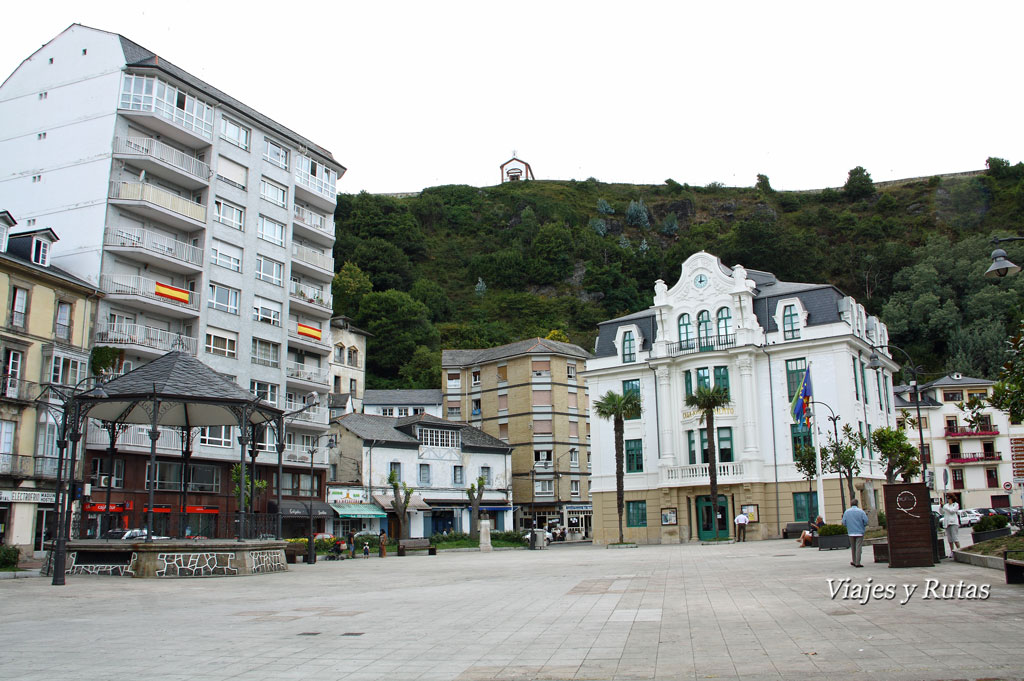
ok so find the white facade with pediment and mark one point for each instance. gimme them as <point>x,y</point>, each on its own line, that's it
<point>746,329</point>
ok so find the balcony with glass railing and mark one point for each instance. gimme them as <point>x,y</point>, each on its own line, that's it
<point>312,257</point>
<point>153,154</point>
<point>160,340</point>
<point>172,111</point>
<point>311,295</point>
<point>162,203</point>
<point>143,243</point>
<point>314,224</point>
<point>320,184</point>
<point>135,438</point>
<point>304,372</point>
<point>317,414</point>
<point>172,298</point>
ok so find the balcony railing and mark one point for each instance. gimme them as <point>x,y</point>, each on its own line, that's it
<point>987,457</point>
<point>312,415</point>
<point>310,294</point>
<point>293,331</point>
<point>311,219</point>
<point>967,431</point>
<point>130,284</point>
<point>12,388</point>
<point>135,437</point>
<point>46,467</point>
<point>146,336</point>
<point>312,257</point>
<point>15,464</point>
<point>144,146</point>
<point>140,191</point>
<point>306,373</point>
<point>697,474</point>
<point>152,242</point>
<point>317,185</point>
<point>709,344</point>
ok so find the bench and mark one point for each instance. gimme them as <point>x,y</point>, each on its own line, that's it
<point>1013,567</point>
<point>414,545</point>
<point>292,551</point>
<point>793,530</point>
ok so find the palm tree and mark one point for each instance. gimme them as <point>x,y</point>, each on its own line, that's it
<point>707,399</point>
<point>618,408</point>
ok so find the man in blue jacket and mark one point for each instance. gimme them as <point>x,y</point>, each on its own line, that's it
<point>856,521</point>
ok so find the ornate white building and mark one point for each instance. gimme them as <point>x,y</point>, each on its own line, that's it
<point>755,335</point>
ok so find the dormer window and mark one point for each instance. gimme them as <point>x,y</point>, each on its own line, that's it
<point>628,347</point>
<point>436,437</point>
<point>790,323</point>
<point>41,251</point>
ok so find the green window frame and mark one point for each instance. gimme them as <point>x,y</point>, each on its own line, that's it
<point>805,506</point>
<point>704,327</point>
<point>703,445</point>
<point>885,379</point>
<point>685,331</point>
<point>856,386</point>
<point>860,429</point>
<point>636,514</point>
<point>724,316</point>
<point>634,452</point>
<point>794,372</point>
<point>863,383</point>
<point>799,434</point>
<point>722,378</point>
<point>790,325</point>
<point>628,347</point>
<point>725,451</point>
<point>871,451</point>
<point>878,384</point>
<point>687,382</point>
<point>703,378</point>
<point>691,442</point>
<point>632,385</point>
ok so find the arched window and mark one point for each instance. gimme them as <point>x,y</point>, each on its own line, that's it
<point>685,332</point>
<point>628,347</point>
<point>724,324</point>
<point>790,323</point>
<point>704,328</point>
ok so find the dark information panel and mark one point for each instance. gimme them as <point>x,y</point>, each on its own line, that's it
<point>908,516</point>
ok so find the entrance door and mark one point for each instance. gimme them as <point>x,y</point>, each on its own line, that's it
<point>705,530</point>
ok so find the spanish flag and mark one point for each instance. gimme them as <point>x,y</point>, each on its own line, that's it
<point>173,292</point>
<point>309,331</point>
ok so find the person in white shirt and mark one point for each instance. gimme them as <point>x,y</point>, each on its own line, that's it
<point>951,519</point>
<point>741,526</point>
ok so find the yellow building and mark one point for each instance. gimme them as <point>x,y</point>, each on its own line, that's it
<point>529,394</point>
<point>47,322</point>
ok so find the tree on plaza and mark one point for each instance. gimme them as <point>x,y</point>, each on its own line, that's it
<point>618,408</point>
<point>236,478</point>
<point>475,492</point>
<point>402,493</point>
<point>895,452</point>
<point>842,455</point>
<point>806,462</point>
<point>707,399</point>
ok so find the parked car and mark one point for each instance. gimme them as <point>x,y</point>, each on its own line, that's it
<point>138,534</point>
<point>323,535</point>
<point>983,511</point>
<point>969,517</point>
<point>1006,511</point>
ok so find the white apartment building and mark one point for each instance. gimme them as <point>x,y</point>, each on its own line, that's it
<point>403,402</point>
<point>347,367</point>
<point>208,225</point>
<point>972,462</point>
<point>754,335</point>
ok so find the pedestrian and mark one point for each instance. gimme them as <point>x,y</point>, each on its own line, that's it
<point>366,549</point>
<point>856,521</point>
<point>951,521</point>
<point>741,526</point>
<point>382,551</point>
<point>351,543</point>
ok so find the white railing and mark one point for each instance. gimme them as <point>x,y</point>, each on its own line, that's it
<point>154,243</point>
<point>312,257</point>
<point>324,188</point>
<point>146,336</point>
<point>144,146</point>
<point>315,414</point>
<point>310,294</point>
<point>311,219</point>
<point>6,464</point>
<point>14,388</point>
<point>293,331</point>
<point>306,373</point>
<point>130,284</point>
<point>46,467</point>
<point>134,436</point>
<point>697,474</point>
<point>140,191</point>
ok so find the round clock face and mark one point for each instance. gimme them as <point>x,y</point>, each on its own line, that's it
<point>700,281</point>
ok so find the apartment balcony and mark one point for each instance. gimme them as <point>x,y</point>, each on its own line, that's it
<point>693,346</point>
<point>145,340</point>
<point>145,246</point>
<point>135,439</point>
<point>161,160</point>
<point>303,337</point>
<point>316,190</point>
<point>313,226</point>
<point>15,389</point>
<point>306,375</point>
<point>968,459</point>
<point>311,299</point>
<point>16,465</point>
<point>168,111</point>
<point>695,475</point>
<point>159,205</point>
<point>46,467</point>
<point>315,416</point>
<point>967,431</point>
<point>312,262</point>
<point>145,293</point>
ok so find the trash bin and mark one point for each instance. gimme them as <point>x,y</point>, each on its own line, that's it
<point>401,549</point>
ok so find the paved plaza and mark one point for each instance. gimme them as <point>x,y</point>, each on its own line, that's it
<point>758,610</point>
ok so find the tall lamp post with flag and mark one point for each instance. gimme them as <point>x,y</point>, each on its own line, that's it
<point>800,408</point>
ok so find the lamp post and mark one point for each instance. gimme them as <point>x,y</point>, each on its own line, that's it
<point>1001,266</point>
<point>834,418</point>
<point>311,557</point>
<point>875,363</point>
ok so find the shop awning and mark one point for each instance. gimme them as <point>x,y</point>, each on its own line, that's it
<point>358,511</point>
<point>495,508</point>
<point>291,508</point>
<point>387,502</point>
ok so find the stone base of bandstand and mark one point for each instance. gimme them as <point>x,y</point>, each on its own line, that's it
<point>172,558</point>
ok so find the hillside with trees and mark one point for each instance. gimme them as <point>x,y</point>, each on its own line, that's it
<point>468,267</point>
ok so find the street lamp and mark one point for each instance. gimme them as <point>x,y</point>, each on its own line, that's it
<point>875,363</point>
<point>1001,266</point>
<point>311,557</point>
<point>835,429</point>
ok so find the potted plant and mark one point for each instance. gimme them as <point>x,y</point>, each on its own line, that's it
<point>833,537</point>
<point>990,527</point>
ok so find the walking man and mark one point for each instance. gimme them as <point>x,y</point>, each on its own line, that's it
<point>951,520</point>
<point>741,526</point>
<point>351,543</point>
<point>856,522</point>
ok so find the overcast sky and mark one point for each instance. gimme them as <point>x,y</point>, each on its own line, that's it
<point>414,94</point>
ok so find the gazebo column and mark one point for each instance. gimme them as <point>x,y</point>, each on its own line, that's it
<point>280,469</point>
<point>112,433</point>
<point>243,443</point>
<point>154,435</point>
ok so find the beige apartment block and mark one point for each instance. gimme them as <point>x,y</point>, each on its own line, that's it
<point>530,394</point>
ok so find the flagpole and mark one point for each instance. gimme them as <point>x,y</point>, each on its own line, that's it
<point>821,482</point>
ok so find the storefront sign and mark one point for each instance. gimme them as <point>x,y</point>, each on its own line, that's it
<point>346,495</point>
<point>579,507</point>
<point>102,508</point>
<point>27,497</point>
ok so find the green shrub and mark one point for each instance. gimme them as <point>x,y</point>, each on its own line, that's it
<point>991,522</point>
<point>9,556</point>
<point>831,530</point>
<point>882,519</point>
<point>510,536</point>
<point>438,538</point>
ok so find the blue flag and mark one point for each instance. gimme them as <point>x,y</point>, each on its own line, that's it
<point>800,407</point>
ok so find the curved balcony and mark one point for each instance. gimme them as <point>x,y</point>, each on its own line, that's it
<point>159,204</point>
<point>161,160</point>
<point>697,474</point>
<point>145,340</point>
<point>695,345</point>
<point>144,292</point>
<point>144,245</point>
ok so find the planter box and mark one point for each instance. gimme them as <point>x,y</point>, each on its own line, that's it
<point>991,534</point>
<point>833,541</point>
